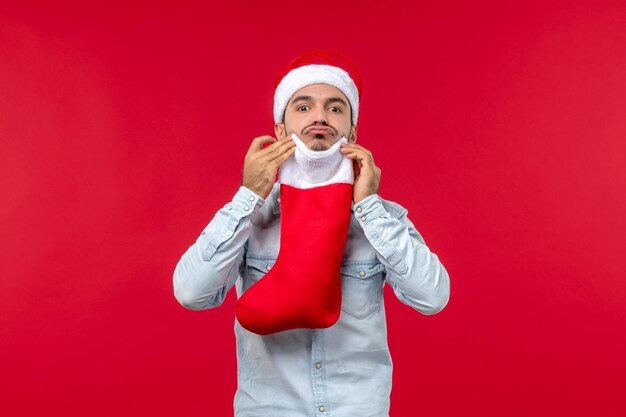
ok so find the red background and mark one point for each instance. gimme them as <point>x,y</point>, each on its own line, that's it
<point>499,126</point>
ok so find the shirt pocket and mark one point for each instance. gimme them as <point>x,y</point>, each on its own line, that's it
<point>361,289</point>
<point>256,268</point>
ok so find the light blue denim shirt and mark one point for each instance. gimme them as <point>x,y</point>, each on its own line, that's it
<point>344,370</point>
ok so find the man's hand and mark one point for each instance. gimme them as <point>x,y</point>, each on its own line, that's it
<point>261,165</point>
<point>366,173</point>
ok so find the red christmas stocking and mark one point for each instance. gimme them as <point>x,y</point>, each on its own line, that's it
<point>303,288</point>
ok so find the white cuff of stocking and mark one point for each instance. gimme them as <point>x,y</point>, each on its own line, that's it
<point>309,169</point>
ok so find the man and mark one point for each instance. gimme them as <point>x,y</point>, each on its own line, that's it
<point>341,369</point>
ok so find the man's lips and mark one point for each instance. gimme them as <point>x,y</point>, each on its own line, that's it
<point>319,131</point>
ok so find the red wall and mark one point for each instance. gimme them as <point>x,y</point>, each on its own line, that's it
<point>500,127</point>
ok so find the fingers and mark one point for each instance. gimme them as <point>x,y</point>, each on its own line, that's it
<point>354,147</point>
<point>258,142</point>
<point>358,154</point>
<point>272,151</point>
<point>279,148</point>
<point>280,159</point>
<point>360,161</point>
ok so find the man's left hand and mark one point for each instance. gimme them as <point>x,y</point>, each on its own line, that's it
<point>366,173</point>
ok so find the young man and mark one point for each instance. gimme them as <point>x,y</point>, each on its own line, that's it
<point>295,367</point>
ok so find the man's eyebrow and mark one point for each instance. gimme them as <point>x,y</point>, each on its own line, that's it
<point>301,98</point>
<point>337,99</point>
<point>328,101</point>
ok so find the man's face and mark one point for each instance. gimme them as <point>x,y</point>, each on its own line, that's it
<point>320,115</point>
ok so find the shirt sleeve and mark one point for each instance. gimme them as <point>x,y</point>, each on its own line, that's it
<point>209,268</point>
<point>415,273</point>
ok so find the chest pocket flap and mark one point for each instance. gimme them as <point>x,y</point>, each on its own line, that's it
<point>362,288</point>
<point>256,268</point>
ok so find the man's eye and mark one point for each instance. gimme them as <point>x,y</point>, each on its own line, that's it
<point>304,107</point>
<point>335,109</point>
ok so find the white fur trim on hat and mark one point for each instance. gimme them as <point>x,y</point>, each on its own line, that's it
<point>314,74</point>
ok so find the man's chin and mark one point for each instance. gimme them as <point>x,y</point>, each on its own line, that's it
<point>318,141</point>
<point>319,146</point>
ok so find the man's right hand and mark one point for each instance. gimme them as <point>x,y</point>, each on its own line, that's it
<point>261,165</point>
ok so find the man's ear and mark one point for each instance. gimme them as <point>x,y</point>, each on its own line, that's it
<point>352,138</point>
<point>279,130</point>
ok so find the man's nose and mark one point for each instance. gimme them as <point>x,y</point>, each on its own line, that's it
<point>320,116</point>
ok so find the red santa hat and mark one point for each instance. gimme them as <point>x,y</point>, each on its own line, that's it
<point>318,67</point>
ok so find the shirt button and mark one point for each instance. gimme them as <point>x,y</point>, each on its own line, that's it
<point>363,218</point>
<point>228,233</point>
<point>362,273</point>
<point>322,409</point>
<point>318,365</point>
<point>377,243</point>
<point>251,198</point>
<point>246,208</point>
<point>359,209</point>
